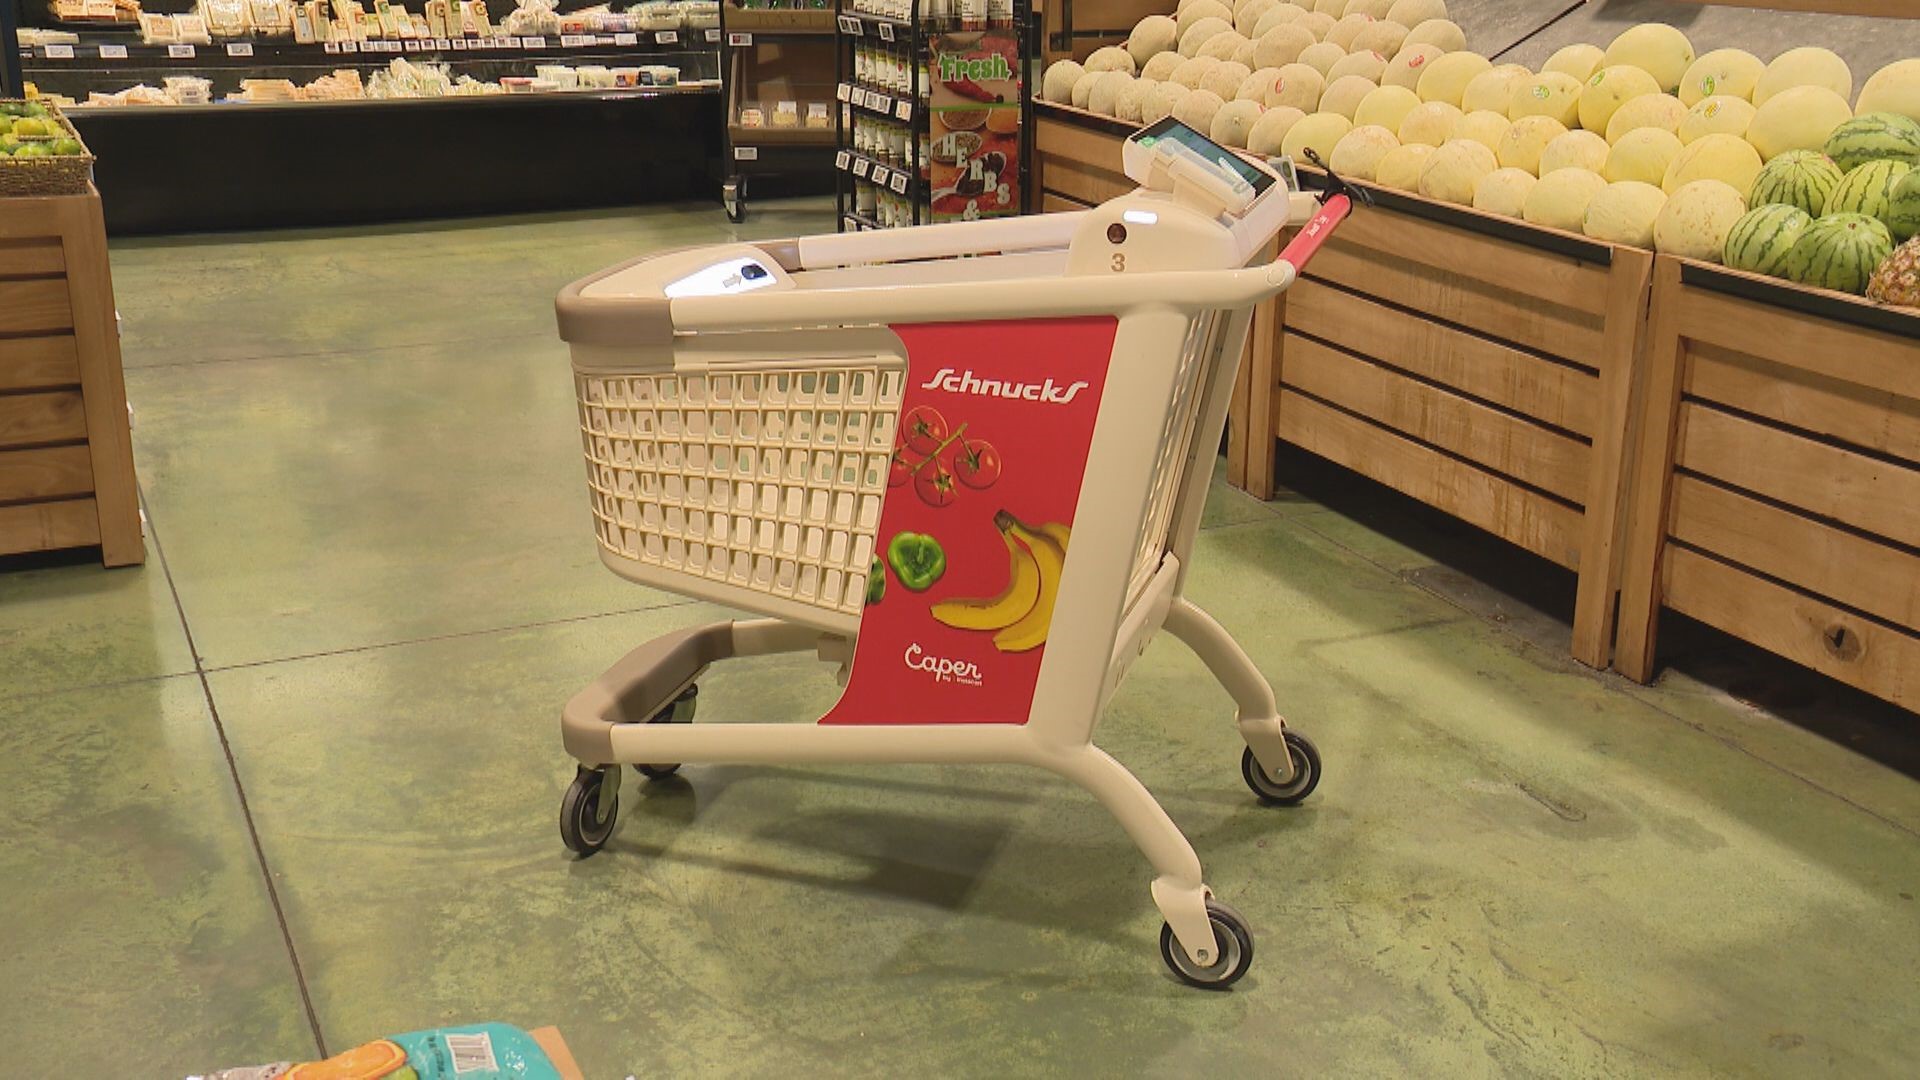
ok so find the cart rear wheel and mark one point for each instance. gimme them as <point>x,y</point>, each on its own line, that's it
<point>1306,773</point>
<point>584,826</point>
<point>680,712</point>
<point>1233,950</point>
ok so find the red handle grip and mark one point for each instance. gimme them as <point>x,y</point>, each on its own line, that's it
<point>1309,238</point>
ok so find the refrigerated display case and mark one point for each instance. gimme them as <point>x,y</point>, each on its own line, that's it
<point>777,67</point>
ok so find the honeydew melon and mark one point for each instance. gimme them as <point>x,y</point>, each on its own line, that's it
<point>1386,107</point>
<point>1485,127</point>
<point>1560,200</point>
<point>1320,132</point>
<point>1643,155</point>
<point>1715,157</point>
<point>1722,114</point>
<point>1446,79</point>
<point>1441,32</point>
<point>1452,171</point>
<point>1547,94</point>
<point>1624,213</point>
<point>1798,118</point>
<point>1894,88</point>
<point>1697,219</point>
<point>1579,60</point>
<point>1524,142</point>
<point>1431,123</point>
<point>1493,88</point>
<point>1722,72</point>
<point>1610,88</point>
<point>1575,150</point>
<point>1357,155</point>
<point>1503,192</point>
<point>1400,168</point>
<point>1345,94</point>
<point>1808,65</point>
<point>1662,111</point>
<point>1655,48</point>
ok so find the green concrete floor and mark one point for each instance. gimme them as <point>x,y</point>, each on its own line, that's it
<point>296,779</point>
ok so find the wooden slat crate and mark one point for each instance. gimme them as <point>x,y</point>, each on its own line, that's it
<point>1479,373</point>
<point>66,459</point>
<point>1777,487</point>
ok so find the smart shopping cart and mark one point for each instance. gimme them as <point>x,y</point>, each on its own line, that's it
<point>973,483</point>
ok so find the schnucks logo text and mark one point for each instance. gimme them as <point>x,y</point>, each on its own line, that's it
<point>966,382</point>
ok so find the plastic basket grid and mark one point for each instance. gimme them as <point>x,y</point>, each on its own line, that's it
<point>766,481</point>
<point>1176,440</point>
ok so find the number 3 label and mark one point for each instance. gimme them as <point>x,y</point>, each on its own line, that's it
<point>1119,263</point>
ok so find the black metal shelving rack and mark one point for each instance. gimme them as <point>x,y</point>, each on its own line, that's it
<point>770,150</point>
<point>909,174</point>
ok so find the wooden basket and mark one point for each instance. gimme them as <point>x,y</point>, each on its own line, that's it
<point>66,175</point>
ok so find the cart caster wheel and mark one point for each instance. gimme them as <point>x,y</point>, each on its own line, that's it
<point>680,712</point>
<point>1306,773</point>
<point>584,828</point>
<point>1233,948</point>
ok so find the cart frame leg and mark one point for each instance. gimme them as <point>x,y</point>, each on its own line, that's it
<point>1257,714</point>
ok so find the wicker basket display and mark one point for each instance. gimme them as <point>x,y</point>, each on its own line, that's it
<point>64,175</point>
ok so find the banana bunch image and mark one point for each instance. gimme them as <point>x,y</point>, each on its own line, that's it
<point>1020,615</point>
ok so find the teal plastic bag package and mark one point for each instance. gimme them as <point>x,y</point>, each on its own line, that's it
<point>476,1052</point>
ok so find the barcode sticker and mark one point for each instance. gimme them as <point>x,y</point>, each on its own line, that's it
<point>59,52</point>
<point>574,41</point>
<point>899,183</point>
<point>113,52</point>
<point>471,1053</point>
<point>667,37</point>
<point>442,44</point>
<point>626,39</point>
<point>349,46</point>
<point>739,41</point>
<point>713,37</point>
<point>533,43</point>
<point>903,109</point>
<point>860,168</point>
<point>411,46</point>
<point>459,44</point>
<point>240,48</point>
<point>180,52</point>
<point>886,31</point>
<point>840,160</point>
<point>746,153</point>
<point>329,46</point>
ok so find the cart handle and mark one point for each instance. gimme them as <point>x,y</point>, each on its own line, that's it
<point>1305,243</point>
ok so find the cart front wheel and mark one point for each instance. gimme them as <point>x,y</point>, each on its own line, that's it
<point>584,823</point>
<point>680,712</point>
<point>1233,949</point>
<point>1306,773</point>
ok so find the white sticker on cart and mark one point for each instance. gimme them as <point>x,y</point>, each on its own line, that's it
<point>722,279</point>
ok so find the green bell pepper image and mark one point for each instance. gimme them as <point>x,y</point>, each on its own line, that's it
<point>917,560</point>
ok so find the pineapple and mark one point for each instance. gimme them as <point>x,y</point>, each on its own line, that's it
<point>1898,279</point>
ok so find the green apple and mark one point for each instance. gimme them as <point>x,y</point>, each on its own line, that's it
<point>66,147</point>
<point>10,141</point>
<point>33,149</point>
<point>28,125</point>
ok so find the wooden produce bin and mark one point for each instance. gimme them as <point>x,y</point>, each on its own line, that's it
<point>66,458</point>
<point>1776,494</point>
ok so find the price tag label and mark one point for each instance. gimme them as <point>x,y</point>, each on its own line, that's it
<point>59,52</point>
<point>328,46</point>
<point>626,39</point>
<point>886,31</point>
<point>349,46</point>
<point>713,37</point>
<point>899,183</point>
<point>113,52</point>
<point>240,48</point>
<point>860,168</point>
<point>746,153</point>
<point>666,37</point>
<point>850,25</point>
<point>843,92</point>
<point>841,159</point>
<point>739,41</point>
<point>879,175</point>
<point>179,52</point>
<point>903,109</point>
<point>411,46</point>
<point>533,43</point>
<point>573,41</point>
<point>442,44</point>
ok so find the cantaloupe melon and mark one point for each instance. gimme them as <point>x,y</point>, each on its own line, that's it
<point>1386,107</point>
<point>1320,132</point>
<point>1431,123</point>
<point>1441,32</point>
<point>1150,37</point>
<point>1451,172</point>
<point>1696,220</point>
<point>1642,155</point>
<point>1191,71</point>
<point>1233,122</point>
<point>1657,49</point>
<point>1254,86</point>
<point>1662,111</point>
<point>1548,94</point>
<point>1382,37</point>
<point>1895,89</point>
<point>1162,66</point>
<point>1798,118</point>
<point>1187,15</point>
<point>1625,212</point>
<point>1132,105</point>
<point>1372,9</point>
<point>1247,14</point>
<point>1225,79</point>
<point>1493,88</point>
<point>1161,102</point>
<point>1579,60</point>
<point>1197,109</point>
<point>1244,53</point>
<point>1277,16</point>
<point>1415,12</point>
<point>1106,91</point>
<point>1721,114</point>
<point>1725,158</point>
<point>1359,151</point>
<point>1503,192</point>
<point>1808,65</point>
<point>1347,29</point>
<point>1524,142</point>
<point>1281,46</point>
<point>1111,58</point>
<point>1368,65</point>
<point>1485,127</point>
<point>1201,31</point>
<point>1057,84</point>
<point>1322,57</point>
<point>1269,133</point>
<point>1298,86</point>
<point>1575,150</point>
<point>1722,72</point>
<point>1222,46</point>
<point>1345,94</point>
<point>1409,64</point>
<point>1317,24</point>
<point>1609,89</point>
<point>1446,79</point>
<point>1330,8</point>
<point>1560,200</point>
<point>1400,167</point>
<point>1083,88</point>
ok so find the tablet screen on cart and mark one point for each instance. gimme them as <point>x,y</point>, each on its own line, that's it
<point>1211,153</point>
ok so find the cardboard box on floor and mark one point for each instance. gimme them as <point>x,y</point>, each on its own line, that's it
<point>558,1052</point>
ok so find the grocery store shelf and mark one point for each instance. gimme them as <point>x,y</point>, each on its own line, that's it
<point>709,86</point>
<point>780,136</point>
<point>862,167</point>
<point>95,54</point>
<point>877,102</point>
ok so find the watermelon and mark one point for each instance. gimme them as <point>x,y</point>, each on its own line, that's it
<point>1802,178</point>
<point>1761,239</point>
<point>1839,252</point>
<point>1882,136</point>
<point>1869,190</point>
<point>1903,210</point>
